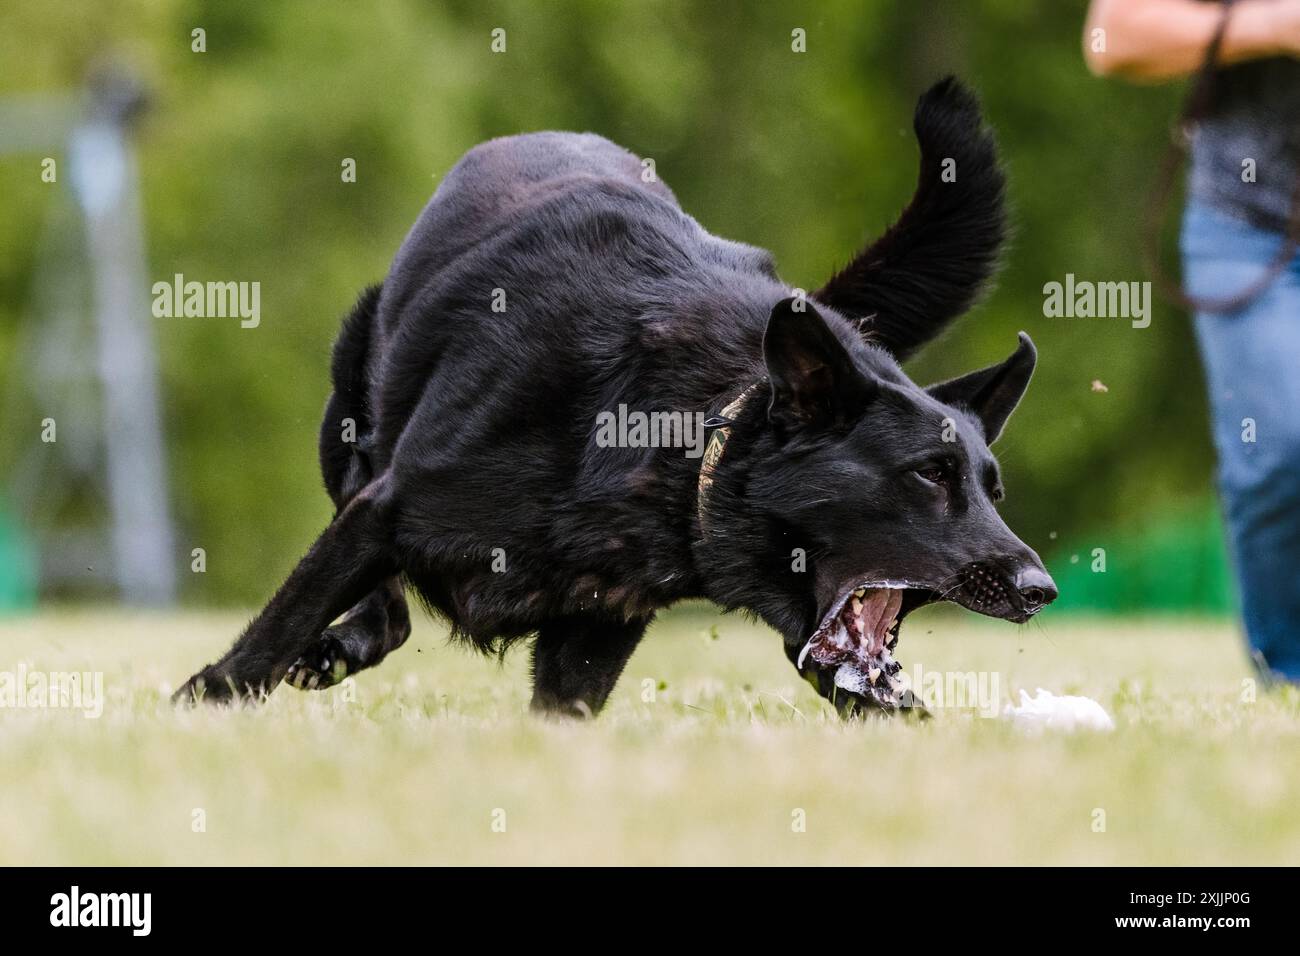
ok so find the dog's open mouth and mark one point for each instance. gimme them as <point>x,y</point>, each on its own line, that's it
<point>856,640</point>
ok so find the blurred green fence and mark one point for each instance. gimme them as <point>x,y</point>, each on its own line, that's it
<point>1174,564</point>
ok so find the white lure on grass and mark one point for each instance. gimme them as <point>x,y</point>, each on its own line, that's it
<point>1059,713</point>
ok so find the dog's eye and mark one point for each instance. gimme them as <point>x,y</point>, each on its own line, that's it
<point>935,476</point>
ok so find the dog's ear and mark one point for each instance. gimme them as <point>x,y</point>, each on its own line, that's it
<point>992,393</point>
<point>814,380</point>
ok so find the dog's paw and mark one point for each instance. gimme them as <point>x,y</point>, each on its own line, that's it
<point>322,665</point>
<point>857,696</point>
<point>544,706</point>
<point>205,687</point>
<point>859,706</point>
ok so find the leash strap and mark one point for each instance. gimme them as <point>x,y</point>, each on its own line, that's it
<point>1200,100</point>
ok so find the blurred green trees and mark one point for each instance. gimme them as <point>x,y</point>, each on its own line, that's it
<point>807,154</point>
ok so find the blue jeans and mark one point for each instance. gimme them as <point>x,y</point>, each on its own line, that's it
<point>1252,370</point>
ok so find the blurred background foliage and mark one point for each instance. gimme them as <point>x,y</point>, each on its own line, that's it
<point>806,154</point>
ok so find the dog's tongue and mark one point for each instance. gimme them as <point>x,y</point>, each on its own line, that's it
<point>879,608</point>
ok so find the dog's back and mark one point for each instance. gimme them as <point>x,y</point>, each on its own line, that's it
<point>497,182</point>
<point>533,247</point>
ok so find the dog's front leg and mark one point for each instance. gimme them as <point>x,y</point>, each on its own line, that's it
<point>368,633</point>
<point>577,662</point>
<point>348,560</point>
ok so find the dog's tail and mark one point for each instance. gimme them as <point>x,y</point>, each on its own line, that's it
<point>933,263</point>
<point>345,430</point>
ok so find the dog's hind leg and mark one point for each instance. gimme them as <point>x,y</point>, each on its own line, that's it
<point>577,662</point>
<point>375,627</point>
<point>349,560</point>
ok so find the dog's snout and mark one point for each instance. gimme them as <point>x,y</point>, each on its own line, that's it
<point>1036,587</point>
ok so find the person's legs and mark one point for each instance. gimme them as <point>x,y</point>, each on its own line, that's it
<point>1252,368</point>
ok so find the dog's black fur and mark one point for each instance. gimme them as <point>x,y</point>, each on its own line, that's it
<point>476,428</point>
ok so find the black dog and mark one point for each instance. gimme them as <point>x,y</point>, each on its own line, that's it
<point>548,282</point>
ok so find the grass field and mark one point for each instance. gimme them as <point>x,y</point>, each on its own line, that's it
<point>433,758</point>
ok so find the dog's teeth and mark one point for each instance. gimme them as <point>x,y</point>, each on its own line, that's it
<point>873,674</point>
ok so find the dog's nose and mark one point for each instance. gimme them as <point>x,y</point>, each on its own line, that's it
<point>1036,587</point>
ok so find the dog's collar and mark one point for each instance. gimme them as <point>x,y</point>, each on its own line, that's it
<point>719,428</point>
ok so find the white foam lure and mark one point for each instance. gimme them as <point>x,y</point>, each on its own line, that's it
<point>1059,713</point>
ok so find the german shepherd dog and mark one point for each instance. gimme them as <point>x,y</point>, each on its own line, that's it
<point>548,281</point>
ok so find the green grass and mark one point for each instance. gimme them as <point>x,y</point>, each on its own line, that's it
<point>411,765</point>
